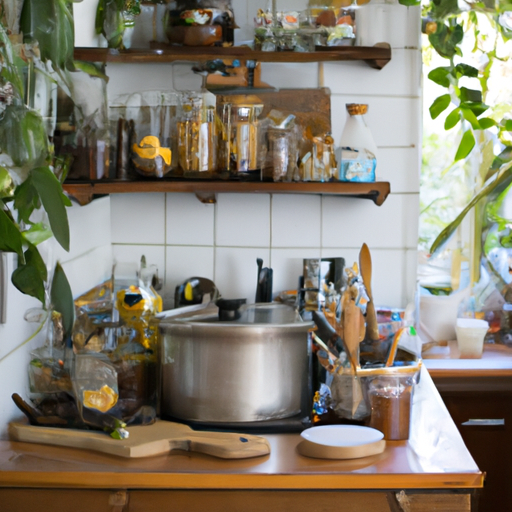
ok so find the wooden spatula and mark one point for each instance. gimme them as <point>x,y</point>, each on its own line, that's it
<point>365,266</point>
<point>148,440</point>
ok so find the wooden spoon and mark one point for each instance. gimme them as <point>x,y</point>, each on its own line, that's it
<point>351,323</point>
<point>365,266</point>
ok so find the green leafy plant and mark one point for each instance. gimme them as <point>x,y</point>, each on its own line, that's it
<point>471,37</point>
<point>32,201</point>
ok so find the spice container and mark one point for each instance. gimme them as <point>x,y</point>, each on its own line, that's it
<point>357,153</point>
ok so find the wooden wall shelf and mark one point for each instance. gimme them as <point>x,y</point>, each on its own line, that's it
<point>376,56</point>
<point>84,192</point>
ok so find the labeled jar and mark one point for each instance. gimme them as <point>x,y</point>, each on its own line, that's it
<point>357,155</point>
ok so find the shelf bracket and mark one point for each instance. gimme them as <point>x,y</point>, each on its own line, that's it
<point>207,197</point>
<point>379,63</point>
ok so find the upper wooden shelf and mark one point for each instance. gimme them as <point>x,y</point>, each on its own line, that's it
<point>376,56</point>
<point>206,190</point>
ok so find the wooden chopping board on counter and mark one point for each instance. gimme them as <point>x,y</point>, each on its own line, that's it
<point>159,438</point>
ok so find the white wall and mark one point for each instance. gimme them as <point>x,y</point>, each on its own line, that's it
<point>88,262</point>
<point>222,241</point>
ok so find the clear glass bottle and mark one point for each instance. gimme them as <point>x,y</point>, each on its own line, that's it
<point>357,155</point>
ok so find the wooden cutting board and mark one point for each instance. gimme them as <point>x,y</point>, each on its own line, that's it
<point>146,441</point>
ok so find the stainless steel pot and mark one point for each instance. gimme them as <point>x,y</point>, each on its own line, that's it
<point>251,369</point>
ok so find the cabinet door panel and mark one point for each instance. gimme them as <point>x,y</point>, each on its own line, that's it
<point>490,445</point>
<point>55,500</point>
<point>255,501</point>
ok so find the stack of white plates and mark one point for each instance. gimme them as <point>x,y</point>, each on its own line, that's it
<point>341,442</point>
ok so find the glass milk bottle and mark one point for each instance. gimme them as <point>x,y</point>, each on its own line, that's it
<point>357,155</point>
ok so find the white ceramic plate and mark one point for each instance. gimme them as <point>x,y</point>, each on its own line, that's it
<point>342,435</point>
<point>341,442</point>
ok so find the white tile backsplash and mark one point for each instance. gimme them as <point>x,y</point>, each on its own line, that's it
<point>352,222</point>
<point>243,220</point>
<point>295,220</point>
<point>287,76</point>
<point>132,254</point>
<point>236,271</point>
<point>89,228</point>
<point>357,78</point>
<point>138,77</point>
<point>138,218</point>
<point>188,221</point>
<point>401,167</point>
<point>89,269</point>
<point>388,22</point>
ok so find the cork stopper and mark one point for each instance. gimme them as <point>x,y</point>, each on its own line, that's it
<point>356,109</point>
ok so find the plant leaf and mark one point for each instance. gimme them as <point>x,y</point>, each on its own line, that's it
<point>504,178</point>
<point>9,71</point>
<point>10,236</point>
<point>452,119</point>
<point>62,299</point>
<point>50,22</point>
<point>49,189</point>
<point>30,277</point>
<point>28,281</point>
<point>91,69</point>
<point>23,136</point>
<point>446,38</point>
<point>508,125</point>
<point>486,122</point>
<point>26,200</point>
<point>470,95</point>
<point>440,76</point>
<point>409,3</point>
<point>477,108</point>
<point>6,184</point>
<point>439,105</point>
<point>466,145</point>
<point>466,70</point>
<point>469,116</point>
<point>37,233</point>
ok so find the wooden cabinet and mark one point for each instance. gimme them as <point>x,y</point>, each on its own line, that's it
<point>481,408</point>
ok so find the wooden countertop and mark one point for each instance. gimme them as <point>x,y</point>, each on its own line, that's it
<point>435,457</point>
<point>444,361</point>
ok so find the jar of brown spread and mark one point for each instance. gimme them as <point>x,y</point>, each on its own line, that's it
<point>390,398</point>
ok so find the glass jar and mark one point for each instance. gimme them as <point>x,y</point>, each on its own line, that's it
<point>242,149</point>
<point>357,153</point>
<point>282,154</point>
<point>197,136</point>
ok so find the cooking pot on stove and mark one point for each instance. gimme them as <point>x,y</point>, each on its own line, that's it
<point>253,368</point>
